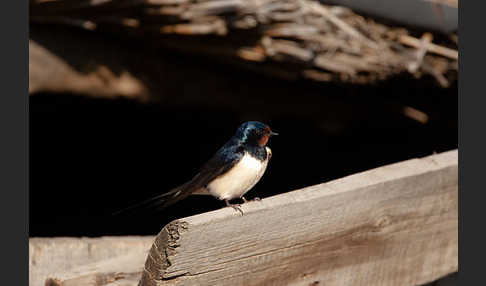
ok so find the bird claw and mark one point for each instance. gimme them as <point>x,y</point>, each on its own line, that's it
<point>236,207</point>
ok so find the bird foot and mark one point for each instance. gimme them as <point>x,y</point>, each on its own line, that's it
<point>237,207</point>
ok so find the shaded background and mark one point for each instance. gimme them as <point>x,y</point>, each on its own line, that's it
<point>90,157</point>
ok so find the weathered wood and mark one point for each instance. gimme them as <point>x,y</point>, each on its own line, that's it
<point>121,270</point>
<point>394,225</point>
<point>57,257</point>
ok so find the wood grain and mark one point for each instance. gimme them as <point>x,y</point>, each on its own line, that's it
<point>120,270</point>
<point>61,257</point>
<point>394,225</point>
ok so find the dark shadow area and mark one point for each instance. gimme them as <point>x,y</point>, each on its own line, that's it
<point>91,157</point>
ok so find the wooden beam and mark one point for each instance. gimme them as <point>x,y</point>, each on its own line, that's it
<point>120,270</point>
<point>60,258</point>
<point>394,225</point>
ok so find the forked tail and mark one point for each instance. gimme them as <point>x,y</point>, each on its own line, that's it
<point>161,201</point>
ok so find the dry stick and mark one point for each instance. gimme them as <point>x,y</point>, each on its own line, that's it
<point>454,38</point>
<point>433,48</point>
<point>422,50</point>
<point>425,67</point>
<point>345,27</point>
<point>441,79</point>
<point>415,114</point>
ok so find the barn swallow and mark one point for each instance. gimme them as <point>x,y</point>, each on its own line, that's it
<point>231,172</point>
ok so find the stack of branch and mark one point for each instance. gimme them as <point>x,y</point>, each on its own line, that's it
<point>285,38</point>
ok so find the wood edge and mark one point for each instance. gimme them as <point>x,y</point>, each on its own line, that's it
<point>161,252</point>
<point>393,171</point>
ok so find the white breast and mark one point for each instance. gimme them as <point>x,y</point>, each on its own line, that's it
<point>240,179</point>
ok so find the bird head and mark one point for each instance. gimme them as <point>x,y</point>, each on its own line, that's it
<point>254,133</point>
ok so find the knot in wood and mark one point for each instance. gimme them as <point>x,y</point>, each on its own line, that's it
<point>382,222</point>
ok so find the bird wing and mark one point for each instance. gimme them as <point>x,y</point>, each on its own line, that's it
<point>220,163</point>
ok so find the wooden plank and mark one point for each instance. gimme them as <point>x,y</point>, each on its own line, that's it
<point>50,256</point>
<point>394,225</point>
<point>120,270</point>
